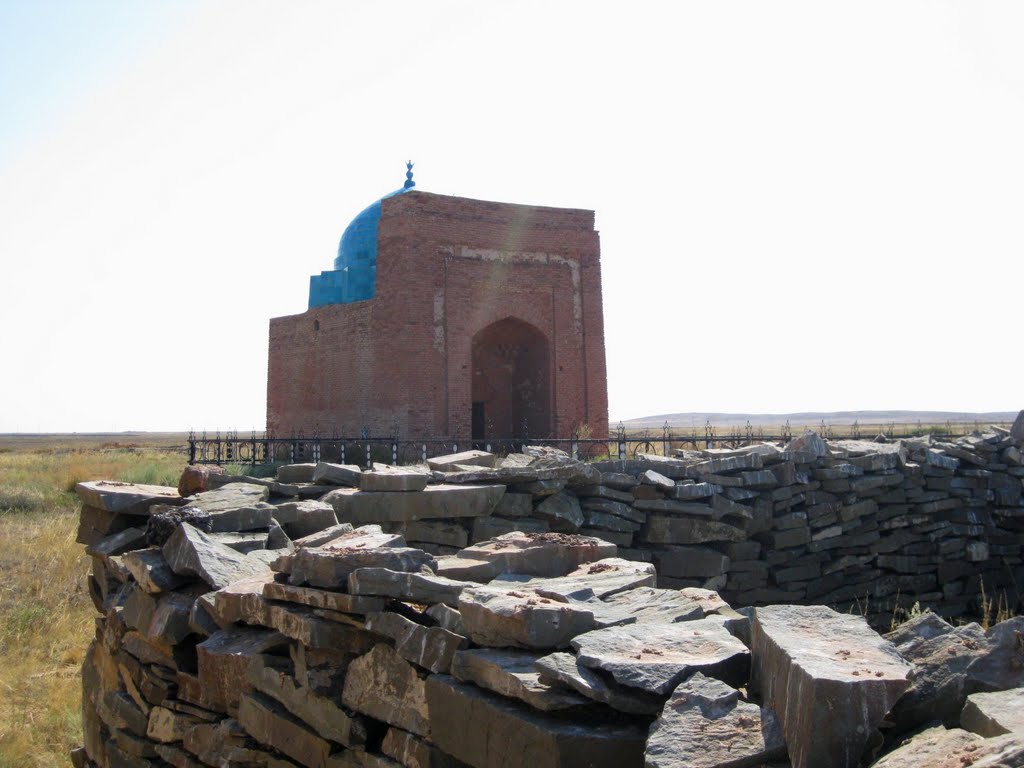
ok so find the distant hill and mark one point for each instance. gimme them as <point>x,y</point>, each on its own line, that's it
<point>812,418</point>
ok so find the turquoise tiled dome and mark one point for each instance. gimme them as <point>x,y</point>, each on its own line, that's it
<point>354,277</point>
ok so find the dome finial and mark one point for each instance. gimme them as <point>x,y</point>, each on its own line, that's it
<point>409,183</point>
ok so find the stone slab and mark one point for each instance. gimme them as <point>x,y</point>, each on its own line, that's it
<point>511,673</point>
<point>656,657</point>
<point>521,618</point>
<point>416,587</point>
<point>828,677</point>
<point>126,498</point>
<point>383,685</point>
<point>431,648</point>
<point>468,723</point>
<point>706,725</point>
<point>435,501</point>
<point>190,552</point>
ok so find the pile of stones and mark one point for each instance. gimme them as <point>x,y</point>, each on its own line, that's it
<point>243,625</point>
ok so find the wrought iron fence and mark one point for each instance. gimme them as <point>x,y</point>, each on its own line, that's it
<point>363,449</point>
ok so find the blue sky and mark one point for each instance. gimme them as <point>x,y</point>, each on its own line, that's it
<point>802,205</point>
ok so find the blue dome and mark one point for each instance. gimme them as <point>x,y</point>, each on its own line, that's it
<point>354,277</point>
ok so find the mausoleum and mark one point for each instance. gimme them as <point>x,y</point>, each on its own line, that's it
<point>447,317</point>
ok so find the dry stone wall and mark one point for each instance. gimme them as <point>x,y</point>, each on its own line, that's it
<point>311,621</point>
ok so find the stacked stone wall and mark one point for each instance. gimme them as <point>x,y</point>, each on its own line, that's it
<point>241,624</point>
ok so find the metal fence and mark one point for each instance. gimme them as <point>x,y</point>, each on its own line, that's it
<point>262,448</point>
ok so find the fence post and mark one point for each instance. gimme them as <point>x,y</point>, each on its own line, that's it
<point>369,457</point>
<point>424,453</point>
<point>394,454</point>
<point>191,447</point>
<point>342,451</point>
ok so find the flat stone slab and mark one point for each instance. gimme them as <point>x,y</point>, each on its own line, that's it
<point>828,677</point>
<point>466,458</point>
<point>994,713</point>
<point>539,554</point>
<point>296,473</point>
<point>234,507</point>
<point>326,473</point>
<point>223,659</point>
<point>330,566</point>
<point>662,529</point>
<point>383,685</point>
<point>706,725</point>
<point>190,552</point>
<point>434,501</point>
<point>511,673</point>
<point>656,657</point>
<point>322,598</point>
<point>652,605</point>
<point>564,668</point>
<point>416,587</point>
<point>601,579</point>
<point>304,518</point>
<point>562,511</point>
<point>271,724</point>
<point>275,677</point>
<point>393,479</point>
<point>468,723</point>
<point>521,618</point>
<point>431,648</point>
<point>955,748</point>
<point>126,498</point>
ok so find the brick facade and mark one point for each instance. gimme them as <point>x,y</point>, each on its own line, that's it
<point>482,310</point>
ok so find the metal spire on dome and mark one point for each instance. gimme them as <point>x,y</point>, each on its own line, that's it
<point>409,183</point>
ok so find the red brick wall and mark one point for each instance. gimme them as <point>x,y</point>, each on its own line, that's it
<point>447,268</point>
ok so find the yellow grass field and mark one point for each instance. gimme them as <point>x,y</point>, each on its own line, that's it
<point>46,616</point>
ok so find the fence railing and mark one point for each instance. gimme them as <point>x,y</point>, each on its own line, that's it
<point>262,448</point>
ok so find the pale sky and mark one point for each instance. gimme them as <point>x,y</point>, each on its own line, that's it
<point>802,206</point>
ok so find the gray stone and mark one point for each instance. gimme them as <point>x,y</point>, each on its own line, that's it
<point>448,618</point>
<point>151,571</point>
<point>296,473</point>
<point>650,605</point>
<point>600,579</point>
<point>234,507</point>
<point>126,498</point>
<point>514,505</point>
<point>691,562</point>
<point>680,530</point>
<point>994,713</point>
<point>829,679</point>
<point>562,511</point>
<point>383,685</point>
<point>271,724</point>
<point>415,587</point>
<point>431,648</point>
<point>323,599</point>
<point>511,673</point>
<point>190,552</point>
<point>521,618</point>
<point>565,669</point>
<point>656,657</point>
<point>468,723</point>
<point>337,474</point>
<point>387,479</point>
<point>275,677</point>
<point>320,538</point>
<point>690,490</point>
<point>465,458</point>
<point>955,748</point>
<point>706,725</point>
<point>223,660</point>
<point>809,442</point>
<point>125,540</point>
<point>539,554</point>
<point>612,507</point>
<point>435,501</point>
<point>436,532</point>
<point>329,566</point>
<point>658,480</point>
<point>304,518</point>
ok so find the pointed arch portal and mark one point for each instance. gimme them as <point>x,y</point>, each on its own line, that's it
<point>511,381</point>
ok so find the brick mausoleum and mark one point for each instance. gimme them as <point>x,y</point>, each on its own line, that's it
<point>448,317</point>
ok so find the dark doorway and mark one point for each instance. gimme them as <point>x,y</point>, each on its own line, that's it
<point>511,381</point>
<point>478,421</point>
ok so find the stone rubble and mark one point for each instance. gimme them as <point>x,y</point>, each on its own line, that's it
<point>352,627</point>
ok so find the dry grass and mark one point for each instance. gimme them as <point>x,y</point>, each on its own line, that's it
<point>46,616</point>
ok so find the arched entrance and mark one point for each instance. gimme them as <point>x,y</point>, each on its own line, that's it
<point>511,381</point>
